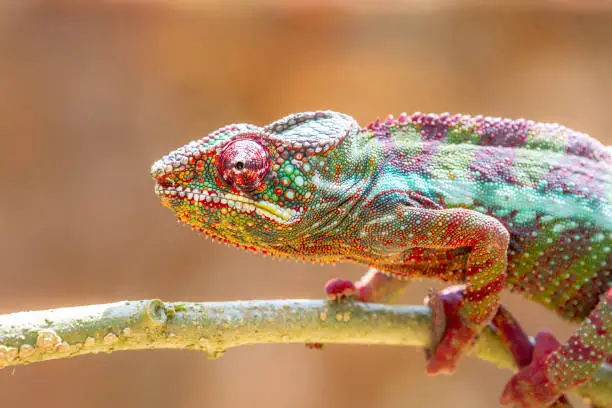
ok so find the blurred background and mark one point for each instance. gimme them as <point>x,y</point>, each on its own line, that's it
<point>92,93</point>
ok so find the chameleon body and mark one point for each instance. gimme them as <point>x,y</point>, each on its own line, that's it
<point>491,203</point>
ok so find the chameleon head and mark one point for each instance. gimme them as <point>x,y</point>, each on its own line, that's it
<point>251,186</point>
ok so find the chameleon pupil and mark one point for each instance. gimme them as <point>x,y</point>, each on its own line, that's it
<point>239,165</point>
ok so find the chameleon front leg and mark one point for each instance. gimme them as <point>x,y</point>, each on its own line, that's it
<point>391,225</point>
<point>557,368</point>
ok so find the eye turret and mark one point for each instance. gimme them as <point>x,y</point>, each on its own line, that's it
<point>243,164</point>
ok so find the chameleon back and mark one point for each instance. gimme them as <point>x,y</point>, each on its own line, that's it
<point>550,186</point>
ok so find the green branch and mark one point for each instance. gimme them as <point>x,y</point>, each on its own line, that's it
<point>29,337</point>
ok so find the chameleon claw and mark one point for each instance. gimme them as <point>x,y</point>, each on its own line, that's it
<point>339,290</point>
<point>438,322</point>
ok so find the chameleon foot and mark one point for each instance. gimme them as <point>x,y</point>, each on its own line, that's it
<point>445,305</point>
<point>449,334</point>
<point>438,322</point>
<point>374,286</point>
<point>338,290</point>
<point>531,387</point>
<point>517,341</point>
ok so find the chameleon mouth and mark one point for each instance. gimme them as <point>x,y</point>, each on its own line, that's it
<point>219,200</point>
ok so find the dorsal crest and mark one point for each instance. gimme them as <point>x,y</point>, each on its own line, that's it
<point>493,131</point>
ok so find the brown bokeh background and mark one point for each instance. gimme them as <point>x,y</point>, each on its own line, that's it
<point>93,93</point>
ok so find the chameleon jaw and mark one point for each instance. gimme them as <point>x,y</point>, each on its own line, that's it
<point>218,199</point>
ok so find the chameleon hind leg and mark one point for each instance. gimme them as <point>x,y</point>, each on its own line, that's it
<point>556,368</point>
<point>376,286</point>
<point>444,306</point>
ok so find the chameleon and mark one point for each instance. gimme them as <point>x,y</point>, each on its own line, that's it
<point>489,203</point>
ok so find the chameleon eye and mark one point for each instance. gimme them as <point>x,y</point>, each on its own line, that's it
<point>243,164</point>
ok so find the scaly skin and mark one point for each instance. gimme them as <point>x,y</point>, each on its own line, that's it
<point>491,203</point>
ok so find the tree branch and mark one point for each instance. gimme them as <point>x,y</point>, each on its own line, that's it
<point>28,337</point>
